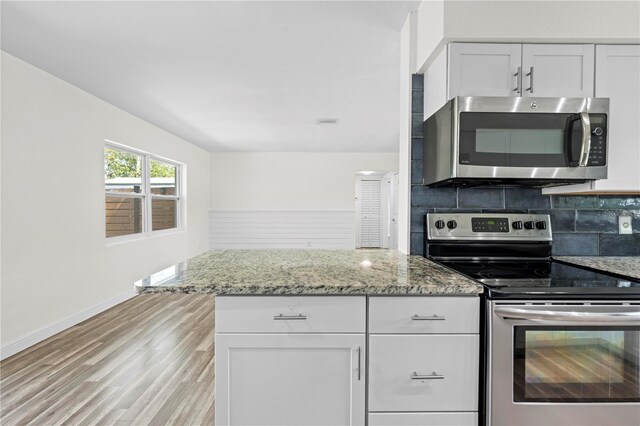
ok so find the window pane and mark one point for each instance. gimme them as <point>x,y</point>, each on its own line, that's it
<point>163,178</point>
<point>123,215</point>
<point>164,214</point>
<point>122,171</point>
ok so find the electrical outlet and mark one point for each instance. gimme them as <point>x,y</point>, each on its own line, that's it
<point>624,225</point>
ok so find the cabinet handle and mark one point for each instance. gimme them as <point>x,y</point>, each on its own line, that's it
<point>290,317</point>
<point>518,74</point>
<point>359,364</point>
<point>432,376</point>
<point>530,75</point>
<point>434,317</point>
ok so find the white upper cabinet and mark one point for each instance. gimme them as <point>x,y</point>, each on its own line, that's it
<point>557,70</point>
<point>491,69</point>
<point>483,69</point>
<point>553,70</point>
<point>617,77</point>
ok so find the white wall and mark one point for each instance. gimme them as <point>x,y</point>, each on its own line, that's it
<point>523,21</point>
<point>407,50</point>
<point>287,200</point>
<point>430,35</point>
<point>55,259</point>
<point>290,180</point>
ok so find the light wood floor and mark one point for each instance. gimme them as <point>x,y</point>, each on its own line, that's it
<point>146,361</point>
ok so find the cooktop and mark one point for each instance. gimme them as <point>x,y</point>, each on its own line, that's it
<point>511,255</point>
<point>542,277</point>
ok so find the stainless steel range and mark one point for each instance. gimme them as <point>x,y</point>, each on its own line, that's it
<point>562,343</point>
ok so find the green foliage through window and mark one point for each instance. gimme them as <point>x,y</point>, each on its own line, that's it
<point>121,164</point>
<point>159,169</point>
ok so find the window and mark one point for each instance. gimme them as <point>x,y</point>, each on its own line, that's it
<point>142,192</point>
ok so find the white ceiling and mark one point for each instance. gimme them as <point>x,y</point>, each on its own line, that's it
<point>229,76</point>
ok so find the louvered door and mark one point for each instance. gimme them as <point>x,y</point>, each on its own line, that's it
<point>370,224</point>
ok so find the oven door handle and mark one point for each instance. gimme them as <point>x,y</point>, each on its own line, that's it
<point>574,316</point>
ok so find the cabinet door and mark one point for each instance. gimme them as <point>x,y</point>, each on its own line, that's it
<point>280,379</point>
<point>618,78</point>
<point>564,70</point>
<point>479,69</point>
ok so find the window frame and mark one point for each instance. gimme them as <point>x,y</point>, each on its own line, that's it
<point>147,196</point>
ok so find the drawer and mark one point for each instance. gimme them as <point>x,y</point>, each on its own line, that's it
<point>423,373</point>
<point>420,314</point>
<point>290,314</point>
<point>423,419</point>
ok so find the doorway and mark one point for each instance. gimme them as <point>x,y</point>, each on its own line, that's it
<point>376,210</point>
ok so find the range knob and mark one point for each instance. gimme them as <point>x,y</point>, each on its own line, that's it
<point>439,224</point>
<point>452,224</point>
<point>597,131</point>
<point>517,224</point>
<point>541,225</point>
<point>529,224</point>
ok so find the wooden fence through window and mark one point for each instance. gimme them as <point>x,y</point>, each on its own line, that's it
<point>124,215</point>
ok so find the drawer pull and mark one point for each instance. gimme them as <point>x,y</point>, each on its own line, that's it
<point>434,317</point>
<point>290,317</point>
<point>432,376</point>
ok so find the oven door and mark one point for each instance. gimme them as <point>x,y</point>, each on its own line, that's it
<point>564,364</point>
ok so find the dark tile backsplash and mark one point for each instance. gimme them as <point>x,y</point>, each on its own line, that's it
<point>481,198</point>
<point>583,225</point>
<point>619,245</point>
<point>422,196</point>
<point>525,198</point>
<point>574,244</point>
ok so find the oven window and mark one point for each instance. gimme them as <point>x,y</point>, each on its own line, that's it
<point>576,364</point>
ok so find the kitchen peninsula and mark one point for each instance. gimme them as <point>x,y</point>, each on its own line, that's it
<point>327,272</point>
<point>334,336</point>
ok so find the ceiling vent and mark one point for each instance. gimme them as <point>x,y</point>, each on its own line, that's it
<point>327,121</point>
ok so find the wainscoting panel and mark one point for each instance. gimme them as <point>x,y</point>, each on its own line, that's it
<point>313,229</point>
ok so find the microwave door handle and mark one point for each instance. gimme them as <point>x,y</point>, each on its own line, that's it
<point>586,139</point>
<point>573,160</point>
<point>575,317</point>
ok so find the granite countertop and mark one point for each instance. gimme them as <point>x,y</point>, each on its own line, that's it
<point>331,272</point>
<point>623,265</point>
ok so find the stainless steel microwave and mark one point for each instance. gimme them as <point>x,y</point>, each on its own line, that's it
<point>512,141</point>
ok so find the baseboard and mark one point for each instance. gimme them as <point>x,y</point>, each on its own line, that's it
<point>53,329</point>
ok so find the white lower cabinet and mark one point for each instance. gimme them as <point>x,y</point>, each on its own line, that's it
<point>302,360</point>
<point>423,361</point>
<point>290,360</point>
<point>423,315</point>
<point>423,372</point>
<point>423,419</point>
<point>290,379</point>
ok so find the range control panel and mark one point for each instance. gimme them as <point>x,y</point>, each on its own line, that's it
<point>488,226</point>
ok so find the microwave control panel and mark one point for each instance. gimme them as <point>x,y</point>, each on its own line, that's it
<point>598,152</point>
